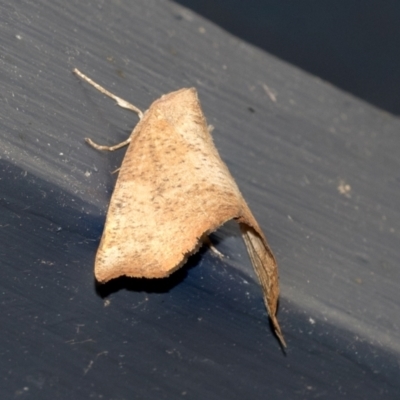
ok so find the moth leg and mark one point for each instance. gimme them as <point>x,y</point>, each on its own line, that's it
<point>206,240</point>
<point>121,102</point>
<point>108,148</point>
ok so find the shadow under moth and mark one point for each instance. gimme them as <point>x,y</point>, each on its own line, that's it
<point>173,190</point>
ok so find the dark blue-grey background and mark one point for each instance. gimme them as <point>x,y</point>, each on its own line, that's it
<point>318,167</point>
<point>352,44</point>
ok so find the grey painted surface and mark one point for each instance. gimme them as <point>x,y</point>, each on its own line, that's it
<point>204,332</point>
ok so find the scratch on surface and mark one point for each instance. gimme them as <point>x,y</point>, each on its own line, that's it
<point>90,365</point>
<point>140,303</point>
<point>270,92</point>
<point>72,341</point>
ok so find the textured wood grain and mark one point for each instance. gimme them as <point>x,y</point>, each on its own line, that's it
<point>173,189</point>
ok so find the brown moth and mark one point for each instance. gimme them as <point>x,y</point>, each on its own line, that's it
<point>173,190</point>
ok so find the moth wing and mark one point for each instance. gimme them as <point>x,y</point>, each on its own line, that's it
<point>265,266</point>
<point>172,189</point>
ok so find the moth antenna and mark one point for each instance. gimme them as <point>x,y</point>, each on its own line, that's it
<point>121,102</point>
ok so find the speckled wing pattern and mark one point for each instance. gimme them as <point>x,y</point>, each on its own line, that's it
<point>172,189</point>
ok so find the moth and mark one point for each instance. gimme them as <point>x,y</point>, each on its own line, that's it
<point>172,191</point>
